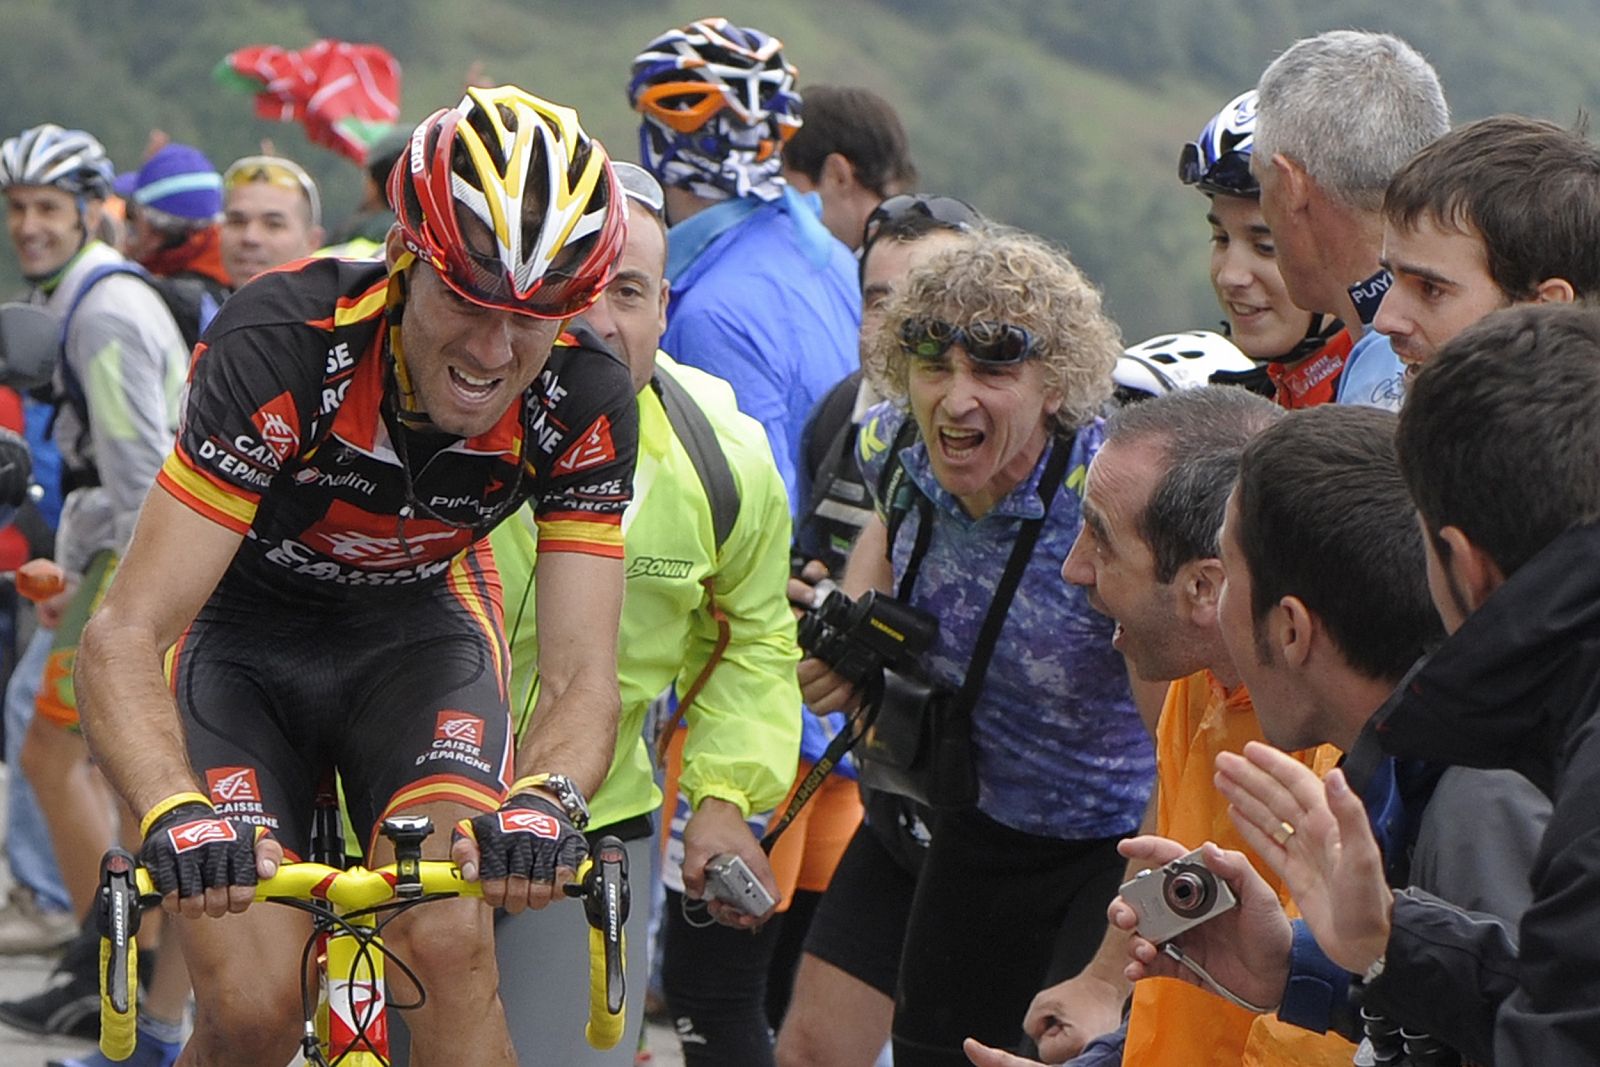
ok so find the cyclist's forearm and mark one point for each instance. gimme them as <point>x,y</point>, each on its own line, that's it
<point>129,717</point>
<point>573,731</point>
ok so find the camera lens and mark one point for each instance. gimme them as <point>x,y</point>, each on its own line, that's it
<point>1189,892</point>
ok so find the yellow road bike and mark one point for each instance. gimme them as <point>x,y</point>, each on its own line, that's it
<point>346,1018</point>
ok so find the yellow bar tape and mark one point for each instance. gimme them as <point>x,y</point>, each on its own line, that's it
<point>174,801</point>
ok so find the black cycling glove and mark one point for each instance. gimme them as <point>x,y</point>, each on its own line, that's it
<point>529,835</point>
<point>191,849</point>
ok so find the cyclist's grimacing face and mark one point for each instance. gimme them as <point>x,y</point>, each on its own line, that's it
<point>44,227</point>
<point>468,363</point>
<point>1263,321</point>
<point>631,314</point>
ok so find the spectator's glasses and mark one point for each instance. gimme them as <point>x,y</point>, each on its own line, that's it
<point>995,344</point>
<point>641,186</point>
<point>274,170</point>
<point>949,212</point>
<point>1228,173</point>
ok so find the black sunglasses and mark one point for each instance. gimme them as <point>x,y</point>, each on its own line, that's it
<point>948,212</point>
<point>996,344</point>
<point>1229,174</point>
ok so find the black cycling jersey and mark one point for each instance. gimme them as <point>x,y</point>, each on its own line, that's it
<point>288,438</point>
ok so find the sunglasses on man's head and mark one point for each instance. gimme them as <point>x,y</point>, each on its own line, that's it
<point>950,212</point>
<point>274,170</point>
<point>640,186</point>
<point>997,344</point>
<point>1229,174</point>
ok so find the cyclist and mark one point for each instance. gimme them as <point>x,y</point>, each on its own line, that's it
<point>312,559</point>
<point>744,725</point>
<point>116,392</point>
<point>1305,351</point>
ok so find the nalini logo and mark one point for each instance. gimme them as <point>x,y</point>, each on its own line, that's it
<point>457,726</point>
<point>192,835</point>
<point>536,823</point>
<point>233,785</point>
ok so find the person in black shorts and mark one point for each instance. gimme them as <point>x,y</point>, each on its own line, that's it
<point>310,564</point>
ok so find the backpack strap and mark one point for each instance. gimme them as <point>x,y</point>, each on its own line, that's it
<point>694,430</point>
<point>699,439</point>
<point>894,496</point>
<point>72,385</point>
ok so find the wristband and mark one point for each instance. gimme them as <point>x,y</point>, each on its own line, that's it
<point>527,784</point>
<point>565,791</point>
<point>161,808</point>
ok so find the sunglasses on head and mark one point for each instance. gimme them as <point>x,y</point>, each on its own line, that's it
<point>640,186</point>
<point>1229,174</point>
<point>949,212</point>
<point>994,343</point>
<point>274,170</point>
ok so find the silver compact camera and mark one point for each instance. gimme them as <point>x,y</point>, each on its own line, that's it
<point>1177,897</point>
<point>730,880</point>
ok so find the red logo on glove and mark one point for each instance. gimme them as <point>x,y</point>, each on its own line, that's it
<point>193,835</point>
<point>523,821</point>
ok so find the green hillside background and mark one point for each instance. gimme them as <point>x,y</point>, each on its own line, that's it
<point>1062,116</point>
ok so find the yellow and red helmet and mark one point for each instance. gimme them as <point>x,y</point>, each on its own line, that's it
<point>512,203</point>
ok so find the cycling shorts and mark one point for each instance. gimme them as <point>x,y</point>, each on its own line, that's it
<point>403,696</point>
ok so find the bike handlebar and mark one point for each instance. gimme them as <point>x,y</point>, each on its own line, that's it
<point>125,886</point>
<point>346,888</point>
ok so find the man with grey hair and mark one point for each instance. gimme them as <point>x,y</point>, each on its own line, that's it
<point>1338,115</point>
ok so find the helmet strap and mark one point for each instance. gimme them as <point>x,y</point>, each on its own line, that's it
<point>407,409</point>
<point>1323,328</point>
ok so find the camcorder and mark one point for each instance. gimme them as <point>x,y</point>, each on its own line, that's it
<point>859,639</point>
<point>1176,897</point>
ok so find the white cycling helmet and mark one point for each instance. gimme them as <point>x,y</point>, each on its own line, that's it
<point>1176,361</point>
<point>71,160</point>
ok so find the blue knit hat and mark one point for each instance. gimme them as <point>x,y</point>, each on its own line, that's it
<point>178,180</point>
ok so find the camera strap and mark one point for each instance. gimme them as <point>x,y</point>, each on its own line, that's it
<point>1055,471</point>
<point>860,721</point>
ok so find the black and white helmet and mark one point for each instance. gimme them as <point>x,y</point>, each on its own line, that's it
<point>1176,361</point>
<point>71,160</point>
<point>1218,161</point>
